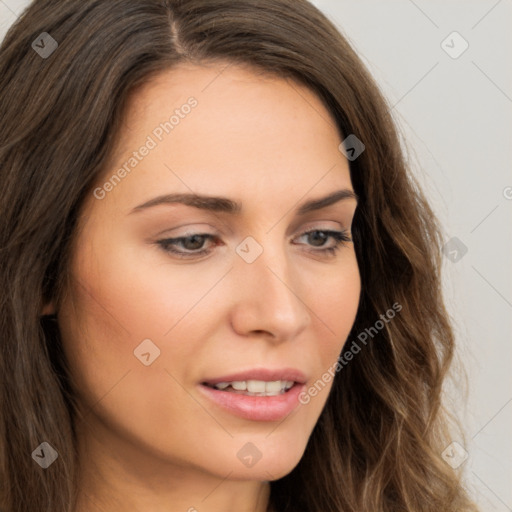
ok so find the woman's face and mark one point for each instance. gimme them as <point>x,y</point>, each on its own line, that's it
<point>239,296</point>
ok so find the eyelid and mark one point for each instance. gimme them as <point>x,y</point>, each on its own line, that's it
<point>216,234</point>
<point>341,237</point>
<point>228,230</point>
<point>190,229</point>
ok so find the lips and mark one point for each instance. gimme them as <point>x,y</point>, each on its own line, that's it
<point>258,395</point>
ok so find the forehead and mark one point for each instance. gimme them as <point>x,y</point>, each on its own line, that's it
<point>246,132</point>
<point>237,97</point>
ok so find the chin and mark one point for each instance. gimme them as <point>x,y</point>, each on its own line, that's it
<point>263,458</point>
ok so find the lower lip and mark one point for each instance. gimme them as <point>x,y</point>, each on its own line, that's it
<point>256,408</point>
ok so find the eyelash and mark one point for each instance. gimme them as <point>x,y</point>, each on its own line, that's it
<point>340,237</point>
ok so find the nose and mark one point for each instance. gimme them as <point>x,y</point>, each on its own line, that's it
<point>268,297</point>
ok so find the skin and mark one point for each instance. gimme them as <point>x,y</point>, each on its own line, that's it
<point>149,439</point>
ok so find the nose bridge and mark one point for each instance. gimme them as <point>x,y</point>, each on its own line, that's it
<point>268,290</point>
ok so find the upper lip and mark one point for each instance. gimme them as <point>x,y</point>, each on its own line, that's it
<point>265,374</point>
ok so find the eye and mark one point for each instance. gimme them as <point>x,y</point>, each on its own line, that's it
<point>193,245</point>
<point>339,239</point>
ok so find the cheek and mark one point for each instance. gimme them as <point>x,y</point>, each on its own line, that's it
<point>123,297</point>
<point>135,293</point>
<point>334,309</point>
<point>113,310</point>
<point>334,302</point>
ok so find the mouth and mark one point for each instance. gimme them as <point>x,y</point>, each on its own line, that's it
<point>254,387</point>
<point>257,395</point>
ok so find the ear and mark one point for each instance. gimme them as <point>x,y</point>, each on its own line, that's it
<point>48,309</point>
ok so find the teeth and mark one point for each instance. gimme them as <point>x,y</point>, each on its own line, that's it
<point>273,388</point>
<point>239,385</point>
<point>257,387</point>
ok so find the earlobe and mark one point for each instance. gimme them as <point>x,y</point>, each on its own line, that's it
<point>48,309</point>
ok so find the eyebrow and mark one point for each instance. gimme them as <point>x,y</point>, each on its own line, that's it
<point>225,205</point>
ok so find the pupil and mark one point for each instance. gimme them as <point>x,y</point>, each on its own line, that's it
<point>319,235</point>
<point>198,239</point>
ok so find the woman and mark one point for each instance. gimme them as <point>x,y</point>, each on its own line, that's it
<point>220,284</point>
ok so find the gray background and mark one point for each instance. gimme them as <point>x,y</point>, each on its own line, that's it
<point>455,116</point>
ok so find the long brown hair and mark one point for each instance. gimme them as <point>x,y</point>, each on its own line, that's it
<point>377,445</point>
